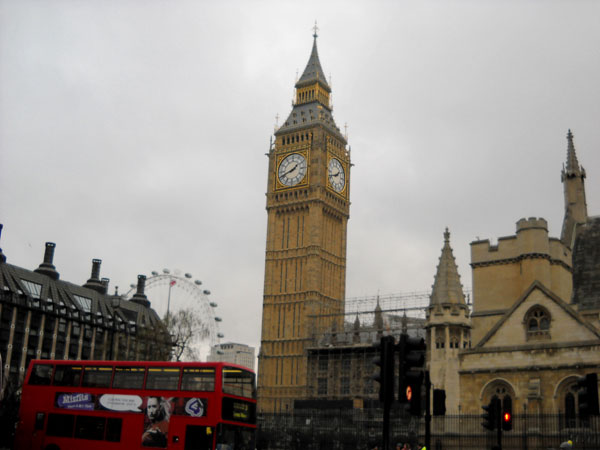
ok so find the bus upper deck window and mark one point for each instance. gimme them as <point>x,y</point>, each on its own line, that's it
<point>96,376</point>
<point>198,379</point>
<point>67,375</point>
<point>129,377</point>
<point>163,378</point>
<point>41,374</point>
<point>238,382</point>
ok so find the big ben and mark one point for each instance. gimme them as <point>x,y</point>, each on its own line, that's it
<point>308,204</point>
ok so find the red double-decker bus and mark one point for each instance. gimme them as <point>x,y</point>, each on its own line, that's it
<point>68,405</point>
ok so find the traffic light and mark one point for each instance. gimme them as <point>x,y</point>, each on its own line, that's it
<point>410,379</point>
<point>385,374</point>
<point>507,414</point>
<point>588,395</point>
<point>490,415</point>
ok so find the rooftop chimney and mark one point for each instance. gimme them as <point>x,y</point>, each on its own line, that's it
<point>139,297</point>
<point>47,268</point>
<point>105,282</point>
<point>2,257</point>
<point>94,281</point>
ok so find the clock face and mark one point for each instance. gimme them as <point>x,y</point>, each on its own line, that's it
<point>292,169</point>
<point>336,175</point>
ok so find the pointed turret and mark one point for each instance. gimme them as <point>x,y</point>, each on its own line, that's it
<point>446,286</point>
<point>448,326</point>
<point>356,330</point>
<point>573,176</point>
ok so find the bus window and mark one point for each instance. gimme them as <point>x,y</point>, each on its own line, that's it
<point>113,429</point>
<point>90,427</point>
<point>67,375</point>
<point>96,376</point>
<point>41,374</point>
<point>163,378</point>
<point>128,377</point>
<point>238,382</point>
<point>230,437</point>
<point>195,379</point>
<point>60,425</point>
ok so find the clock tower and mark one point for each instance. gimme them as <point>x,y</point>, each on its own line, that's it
<point>308,203</point>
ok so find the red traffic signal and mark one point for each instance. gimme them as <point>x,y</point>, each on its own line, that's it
<point>507,414</point>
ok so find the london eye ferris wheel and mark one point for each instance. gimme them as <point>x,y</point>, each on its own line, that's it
<point>173,291</point>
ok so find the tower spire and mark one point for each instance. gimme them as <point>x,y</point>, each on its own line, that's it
<point>572,177</point>
<point>312,104</point>
<point>446,286</point>
<point>572,168</point>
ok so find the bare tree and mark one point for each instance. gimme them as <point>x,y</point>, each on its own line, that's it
<point>187,332</point>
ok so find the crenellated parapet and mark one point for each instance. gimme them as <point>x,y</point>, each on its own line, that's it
<point>517,261</point>
<point>531,241</point>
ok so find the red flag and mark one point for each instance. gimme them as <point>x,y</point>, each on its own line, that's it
<point>172,283</point>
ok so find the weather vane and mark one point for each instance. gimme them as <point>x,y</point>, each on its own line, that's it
<point>315,29</point>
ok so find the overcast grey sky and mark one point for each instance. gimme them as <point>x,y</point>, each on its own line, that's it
<point>136,131</point>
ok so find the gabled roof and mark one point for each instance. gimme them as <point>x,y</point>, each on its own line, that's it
<point>536,285</point>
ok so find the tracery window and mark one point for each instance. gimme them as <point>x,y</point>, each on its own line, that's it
<point>537,323</point>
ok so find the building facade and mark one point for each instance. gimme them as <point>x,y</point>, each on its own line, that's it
<point>534,324</point>
<point>44,317</point>
<point>308,201</point>
<point>234,353</point>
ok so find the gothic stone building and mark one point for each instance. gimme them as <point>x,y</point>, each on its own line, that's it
<point>44,317</point>
<point>534,327</point>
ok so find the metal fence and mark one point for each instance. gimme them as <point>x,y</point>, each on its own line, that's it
<point>361,430</point>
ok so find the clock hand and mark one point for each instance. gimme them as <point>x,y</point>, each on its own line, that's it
<point>291,170</point>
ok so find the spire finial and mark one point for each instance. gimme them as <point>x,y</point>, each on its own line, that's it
<point>315,30</point>
<point>446,236</point>
<point>572,163</point>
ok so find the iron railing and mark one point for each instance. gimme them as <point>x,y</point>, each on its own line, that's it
<point>355,429</point>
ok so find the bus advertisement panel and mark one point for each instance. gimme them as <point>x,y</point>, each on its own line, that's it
<point>110,404</point>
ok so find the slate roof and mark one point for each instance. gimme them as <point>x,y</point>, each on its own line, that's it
<point>313,71</point>
<point>307,115</point>
<point>586,265</point>
<point>67,299</point>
